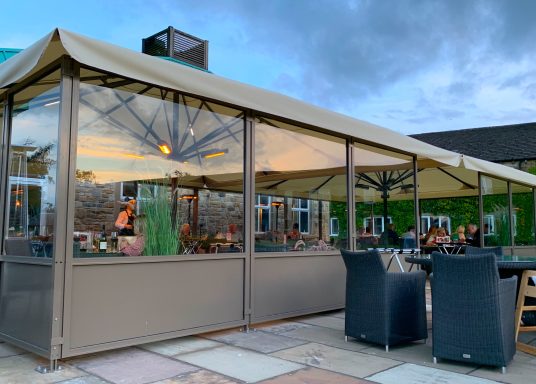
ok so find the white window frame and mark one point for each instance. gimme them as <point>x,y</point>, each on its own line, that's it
<point>259,208</point>
<point>332,225</point>
<point>299,210</point>
<point>430,218</point>
<point>366,221</point>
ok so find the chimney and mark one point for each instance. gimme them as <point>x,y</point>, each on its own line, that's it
<point>172,44</point>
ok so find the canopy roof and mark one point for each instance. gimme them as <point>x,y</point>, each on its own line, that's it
<point>144,68</point>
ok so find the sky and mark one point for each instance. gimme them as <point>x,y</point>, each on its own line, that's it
<point>412,66</point>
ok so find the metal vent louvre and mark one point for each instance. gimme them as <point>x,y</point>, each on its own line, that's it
<point>177,45</point>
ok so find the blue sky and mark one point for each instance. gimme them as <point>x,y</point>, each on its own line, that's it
<point>410,65</point>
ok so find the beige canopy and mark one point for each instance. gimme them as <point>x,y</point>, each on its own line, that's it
<point>441,172</point>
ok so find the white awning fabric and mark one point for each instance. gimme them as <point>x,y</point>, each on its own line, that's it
<point>144,68</point>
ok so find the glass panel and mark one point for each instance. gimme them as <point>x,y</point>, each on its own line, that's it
<point>384,188</point>
<point>158,172</point>
<point>523,204</point>
<point>496,229</point>
<point>31,198</point>
<point>453,215</point>
<point>305,191</point>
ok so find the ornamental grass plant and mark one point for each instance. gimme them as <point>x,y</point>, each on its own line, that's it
<point>161,236</point>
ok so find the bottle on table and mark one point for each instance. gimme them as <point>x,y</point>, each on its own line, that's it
<point>114,240</point>
<point>103,244</point>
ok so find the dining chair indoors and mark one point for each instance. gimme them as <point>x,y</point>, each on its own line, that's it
<point>383,307</point>
<point>472,310</point>
<point>471,251</point>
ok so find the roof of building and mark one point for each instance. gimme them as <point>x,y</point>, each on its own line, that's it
<point>498,144</point>
<point>6,53</point>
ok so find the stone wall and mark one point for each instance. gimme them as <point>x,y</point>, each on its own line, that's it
<point>95,205</point>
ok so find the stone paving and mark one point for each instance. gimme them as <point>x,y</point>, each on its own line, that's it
<point>304,350</point>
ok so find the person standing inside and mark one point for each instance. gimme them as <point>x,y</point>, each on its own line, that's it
<point>125,219</point>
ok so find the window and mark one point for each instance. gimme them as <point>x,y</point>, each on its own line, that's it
<point>489,224</point>
<point>262,213</point>
<point>301,215</point>
<point>438,221</point>
<point>379,225</point>
<point>334,226</point>
<point>158,147</point>
<point>298,194</point>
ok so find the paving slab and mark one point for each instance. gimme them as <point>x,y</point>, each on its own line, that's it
<point>279,327</point>
<point>259,341</point>
<point>132,366</point>
<point>199,377</point>
<point>20,369</point>
<point>328,336</point>
<point>180,345</point>
<point>239,363</point>
<point>325,321</point>
<point>418,353</point>
<point>315,376</point>
<point>86,380</point>
<point>334,359</point>
<point>522,370</point>
<point>415,374</point>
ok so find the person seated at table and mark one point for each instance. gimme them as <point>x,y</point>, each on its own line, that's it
<point>429,238</point>
<point>410,233</point>
<point>185,231</point>
<point>459,235</point>
<point>295,233</point>
<point>441,236</point>
<point>473,235</point>
<point>389,237</point>
<point>233,234</point>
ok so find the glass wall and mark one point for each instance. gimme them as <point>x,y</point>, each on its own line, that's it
<point>523,212</point>
<point>300,186</point>
<point>31,196</point>
<point>384,196</point>
<point>496,226</point>
<point>157,172</point>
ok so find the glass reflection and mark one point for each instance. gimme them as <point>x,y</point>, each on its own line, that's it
<point>175,160</point>
<point>384,195</point>
<point>523,204</point>
<point>496,227</point>
<point>300,182</point>
<point>31,198</point>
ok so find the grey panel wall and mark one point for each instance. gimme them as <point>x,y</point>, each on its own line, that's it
<point>113,302</point>
<point>286,285</point>
<point>26,302</point>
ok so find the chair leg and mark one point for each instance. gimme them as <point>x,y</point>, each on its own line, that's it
<point>503,370</point>
<point>386,348</point>
<point>435,360</point>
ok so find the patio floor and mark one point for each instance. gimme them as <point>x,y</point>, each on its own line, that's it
<point>308,349</point>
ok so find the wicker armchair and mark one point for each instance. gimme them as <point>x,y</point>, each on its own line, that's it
<point>472,251</point>
<point>472,310</point>
<point>383,307</point>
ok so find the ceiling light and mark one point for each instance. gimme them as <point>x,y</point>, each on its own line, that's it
<point>164,148</point>
<point>52,103</point>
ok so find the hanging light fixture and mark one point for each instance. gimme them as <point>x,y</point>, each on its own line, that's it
<point>164,148</point>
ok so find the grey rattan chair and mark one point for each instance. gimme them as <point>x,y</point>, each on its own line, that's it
<point>472,310</point>
<point>383,307</point>
<point>471,251</point>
